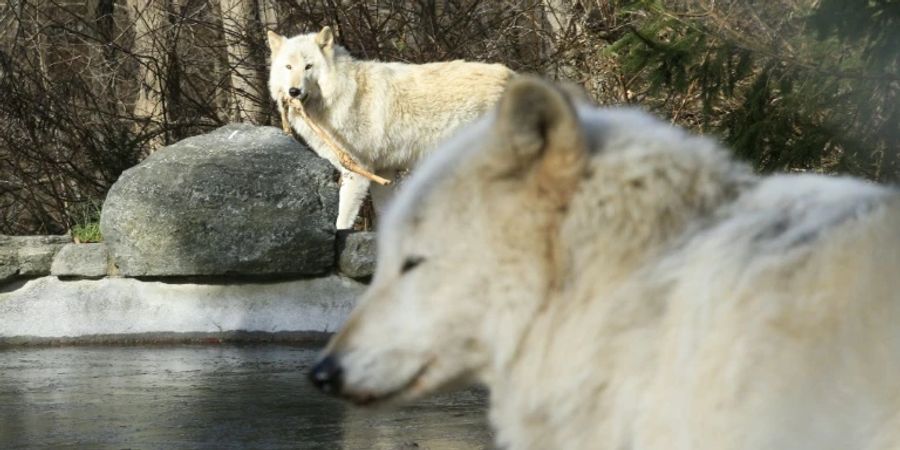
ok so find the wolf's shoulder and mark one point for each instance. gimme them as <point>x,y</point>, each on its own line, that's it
<point>795,214</point>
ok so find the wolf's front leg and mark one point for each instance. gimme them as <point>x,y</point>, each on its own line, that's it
<point>353,191</point>
<point>382,195</point>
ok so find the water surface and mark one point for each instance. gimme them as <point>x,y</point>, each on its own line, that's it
<point>214,397</point>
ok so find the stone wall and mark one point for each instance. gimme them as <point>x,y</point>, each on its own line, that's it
<point>227,235</point>
<point>23,258</point>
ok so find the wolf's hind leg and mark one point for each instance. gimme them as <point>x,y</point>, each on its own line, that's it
<point>353,191</point>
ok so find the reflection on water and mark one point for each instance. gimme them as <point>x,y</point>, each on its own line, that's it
<point>208,397</point>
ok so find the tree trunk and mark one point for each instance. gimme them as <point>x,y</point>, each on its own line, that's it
<point>268,18</point>
<point>562,19</point>
<point>268,14</point>
<point>10,22</point>
<point>150,21</point>
<point>242,31</point>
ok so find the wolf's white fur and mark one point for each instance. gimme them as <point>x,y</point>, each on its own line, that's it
<point>387,115</point>
<point>618,283</point>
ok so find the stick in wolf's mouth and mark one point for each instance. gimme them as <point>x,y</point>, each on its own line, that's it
<point>345,159</point>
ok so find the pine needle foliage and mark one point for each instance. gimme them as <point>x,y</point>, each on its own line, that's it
<point>789,85</point>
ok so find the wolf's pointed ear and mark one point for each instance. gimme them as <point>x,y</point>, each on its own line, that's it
<point>275,41</point>
<point>325,38</point>
<point>542,136</point>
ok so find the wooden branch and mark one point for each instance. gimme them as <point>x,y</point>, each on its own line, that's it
<point>345,159</point>
<point>285,121</point>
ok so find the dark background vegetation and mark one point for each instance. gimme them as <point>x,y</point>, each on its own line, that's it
<point>90,87</point>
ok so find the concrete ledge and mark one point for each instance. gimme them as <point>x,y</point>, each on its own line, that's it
<point>48,309</point>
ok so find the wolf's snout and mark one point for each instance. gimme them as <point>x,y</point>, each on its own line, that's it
<point>327,375</point>
<point>295,92</point>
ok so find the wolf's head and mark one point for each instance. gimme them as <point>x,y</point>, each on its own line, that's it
<point>465,254</point>
<point>300,64</point>
<point>538,195</point>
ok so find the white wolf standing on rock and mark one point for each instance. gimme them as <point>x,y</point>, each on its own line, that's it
<point>620,284</point>
<point>386,115</point>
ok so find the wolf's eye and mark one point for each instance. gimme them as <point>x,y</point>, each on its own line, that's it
<point>288,67</point>
<point>411,263</point>
<point>308,66</point>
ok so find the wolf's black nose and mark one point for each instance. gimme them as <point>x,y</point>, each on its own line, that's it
<point>294,92</point>
<point>327,375</point>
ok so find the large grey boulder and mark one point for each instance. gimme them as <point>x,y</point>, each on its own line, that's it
<point>240,200</point>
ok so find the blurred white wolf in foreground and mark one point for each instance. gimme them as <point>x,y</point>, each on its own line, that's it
<point>387,115</point>
<point>620,284</point>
